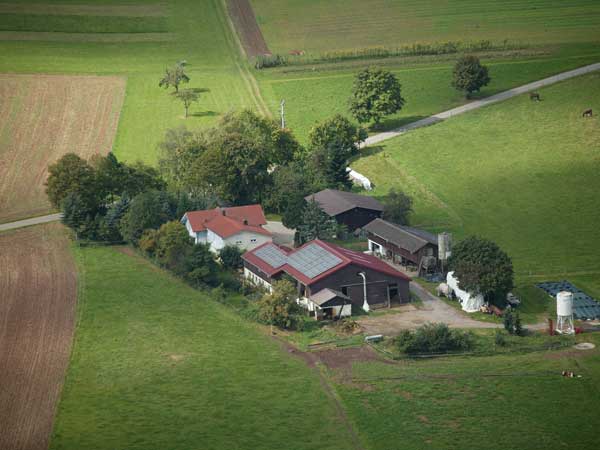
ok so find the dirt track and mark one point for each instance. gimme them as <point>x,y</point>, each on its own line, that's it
<point>38,289</point>
<point>243,17</point>
<point>43,117</point>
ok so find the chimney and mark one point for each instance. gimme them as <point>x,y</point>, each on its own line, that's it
<point>223,211</point>
<point>245,221</point>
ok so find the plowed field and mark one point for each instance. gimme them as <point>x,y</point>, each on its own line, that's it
<point>43,117</point>
<point>38,288</point>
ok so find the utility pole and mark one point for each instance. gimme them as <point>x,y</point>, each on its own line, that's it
<point>282,104</point>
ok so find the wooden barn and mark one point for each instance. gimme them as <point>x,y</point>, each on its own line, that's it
<point>352,210</point>
<point>402,244</point>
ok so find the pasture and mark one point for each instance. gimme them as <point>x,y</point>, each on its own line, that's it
<point>157,364</point>
<point>521,173</point>
<point>514,401</point>
<point>38,293</point>
<point>316,26</point>
<point>137,40</point>
<point>44,117</point>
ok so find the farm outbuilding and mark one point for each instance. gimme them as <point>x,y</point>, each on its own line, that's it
<point>402,244</point>
<point>329,278</point>
<point>347,208</point>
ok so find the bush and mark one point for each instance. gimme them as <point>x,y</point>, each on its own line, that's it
<point>434,338</point>
<point>500,339</point>
<point>265,61</point>
<point>231,257</point>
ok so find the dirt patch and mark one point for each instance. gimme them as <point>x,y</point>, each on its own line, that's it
<point>423,419</point>
<point>85,37</point>
<point>44,117</point>
<point>343,358</point>
<point>243,18</point>
<point>155,10</point>
<point>38,286</point>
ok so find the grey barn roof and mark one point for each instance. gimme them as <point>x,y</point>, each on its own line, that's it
<point>329,297</point>
<point>411,239</point>
<point>336,202</point>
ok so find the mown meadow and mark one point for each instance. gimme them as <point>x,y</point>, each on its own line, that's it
<point>157,364</point>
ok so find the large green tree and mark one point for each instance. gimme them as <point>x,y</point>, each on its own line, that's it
<point>279,307</point>
<point>172,244</point>
<point>71,174</point>
<point>398,207</point>
<point>376,93</point>
<point>470,75</point>
<point>483,267</point>
<point>177,153</point>
<point>147,210</point>
<point>337,131</point>
<point>241,151</point>
<point>316,224</point>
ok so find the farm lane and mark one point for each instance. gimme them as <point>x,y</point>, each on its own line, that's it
<point>380,137</point>
<point>29,222</point>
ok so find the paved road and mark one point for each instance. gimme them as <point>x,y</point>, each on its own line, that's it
<point>28,222</point>
<point>480,103</point>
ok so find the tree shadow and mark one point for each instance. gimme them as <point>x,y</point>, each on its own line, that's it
<point>194,90</point>
<point>393,123</point>
<point>204,114</point>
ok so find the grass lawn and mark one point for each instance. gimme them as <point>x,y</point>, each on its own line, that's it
<point>140,48</point>
<point>314,95</point>
<point>516,401</point>
<point>316,26</point>
<point>157,364</point>
<point>523,174</point>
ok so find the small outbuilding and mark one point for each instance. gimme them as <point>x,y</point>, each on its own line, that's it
<point>402,244</point>
<point>347,208</point>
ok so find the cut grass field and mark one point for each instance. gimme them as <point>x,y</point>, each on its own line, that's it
<point>197,32</point>
<point>521,173</point>
<point>38,292</point>
<point>44,117</point>
<point>157,364</point>
<point>515,401</point>
<point>315,95</point>
<point>316,26</point>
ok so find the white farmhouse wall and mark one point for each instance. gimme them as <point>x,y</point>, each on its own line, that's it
<point>215,241</point>
<point>376,248</point>
<point>199,238</point>
<point>247,240</point>
<point>255,279</point>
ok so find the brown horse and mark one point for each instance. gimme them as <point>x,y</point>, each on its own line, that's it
<point>587,113</point>
<point>534,96</point>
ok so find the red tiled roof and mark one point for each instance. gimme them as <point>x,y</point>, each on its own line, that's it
<point>346,257</point>
<point>226,226</point>
<point>252,214</point>
<point>229,221</point>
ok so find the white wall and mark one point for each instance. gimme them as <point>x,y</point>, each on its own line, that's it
<point>255,279</point>
<point>215,241</point>
<point>247,240</point>
<point>199,238</point>
<point>379,248</point>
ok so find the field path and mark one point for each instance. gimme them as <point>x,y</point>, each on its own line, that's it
<point>380,137</point>
<point>28,222</point>
<point>38,293</point>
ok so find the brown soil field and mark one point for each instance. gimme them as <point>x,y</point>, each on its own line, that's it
<point>155,10</point>
<point>243,17</point>
<point>42,117</point>
<point>38,290</point>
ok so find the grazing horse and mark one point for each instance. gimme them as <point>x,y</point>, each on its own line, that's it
<point>587,113</point>
<point>534,96</point>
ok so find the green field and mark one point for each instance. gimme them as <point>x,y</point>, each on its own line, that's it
<point>159,365</point>
<point>498,402</point>
<point>521,173</point>
<point>139,48</point>
<point>312,96</point>
<point>316,26</point>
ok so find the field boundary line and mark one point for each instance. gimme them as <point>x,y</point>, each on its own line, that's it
<point>505,95</point>
<point>247,77</point>
<point>39,220</point>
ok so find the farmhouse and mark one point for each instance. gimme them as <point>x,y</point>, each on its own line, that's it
<point>352,210</point>
<point>402,244</point>
<point>329,278</point>
<point>240,225</point>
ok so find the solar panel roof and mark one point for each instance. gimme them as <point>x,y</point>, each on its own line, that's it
<point>312,260</point>
<point>272,256</point>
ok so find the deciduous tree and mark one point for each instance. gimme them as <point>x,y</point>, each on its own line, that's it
<point>470,75</point>
<point>398,207</point>
<point>376,93</point>
<point>174,76</point>
<point>316,224</point>
<point>279,307</point>
<point>187,97</point>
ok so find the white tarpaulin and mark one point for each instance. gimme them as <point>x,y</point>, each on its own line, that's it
<point>359,178</point>
<point>469,302</point>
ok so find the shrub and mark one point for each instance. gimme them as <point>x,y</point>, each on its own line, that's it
<point>434,338</point>
<point>265,61</point>
<point>231,257</point>
<point>499,339</point>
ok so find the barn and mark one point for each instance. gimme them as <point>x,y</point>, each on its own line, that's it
<point>330,279</point>
<point>347,208</point>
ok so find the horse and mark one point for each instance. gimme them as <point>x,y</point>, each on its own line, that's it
<point>587,113</point>
<point>534,96</point>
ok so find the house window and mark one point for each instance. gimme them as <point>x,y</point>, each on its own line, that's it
<point>345,290</point>
<point>238,242</point>
<point>253,240</point>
